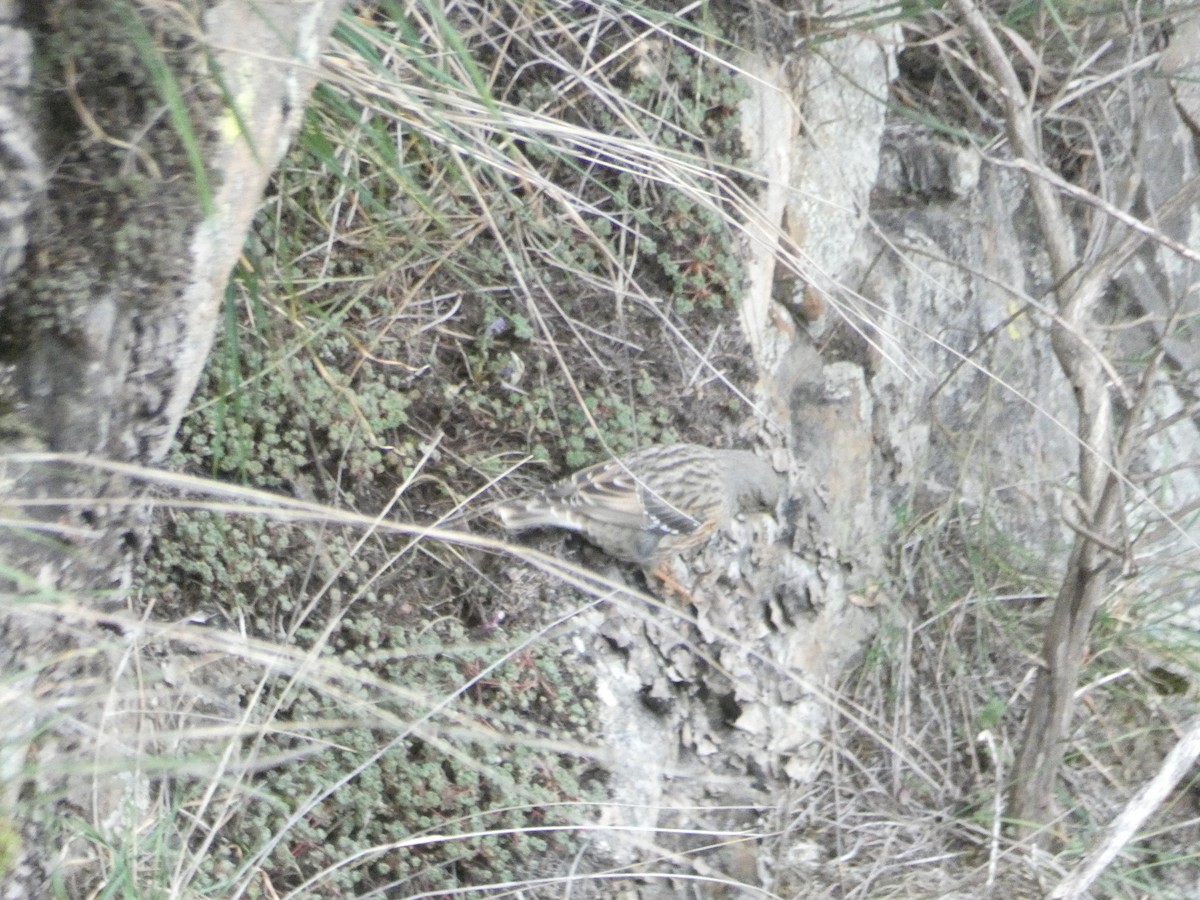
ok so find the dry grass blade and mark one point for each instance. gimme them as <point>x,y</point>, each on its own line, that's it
<point>1122,830</point>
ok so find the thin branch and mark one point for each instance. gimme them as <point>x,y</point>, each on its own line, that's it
<point>1125,826</point>
<point>1056,229</point>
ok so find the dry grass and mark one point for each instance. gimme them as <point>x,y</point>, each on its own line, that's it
<point>507,246</point>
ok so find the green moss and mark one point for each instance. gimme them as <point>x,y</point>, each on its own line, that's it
<point>347,354</point>
<point>10,846</point>
<point>423,787</point>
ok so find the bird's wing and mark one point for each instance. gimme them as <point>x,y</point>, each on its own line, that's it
<point>606,493</point>
<point>610,494</point>
<point>668,517</point>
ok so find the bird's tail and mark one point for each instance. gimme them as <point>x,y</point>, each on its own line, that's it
<point>524,515</point>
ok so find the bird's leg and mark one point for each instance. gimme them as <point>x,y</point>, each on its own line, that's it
<point>671,585</point>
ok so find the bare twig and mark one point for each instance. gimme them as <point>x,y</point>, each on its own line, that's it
<point>1123,828</point>
<point>1082,588</point>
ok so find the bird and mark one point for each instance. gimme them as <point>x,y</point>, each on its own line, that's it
<point>651,505</point>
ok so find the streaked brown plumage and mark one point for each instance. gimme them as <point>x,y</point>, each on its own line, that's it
<point>650,505</point>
